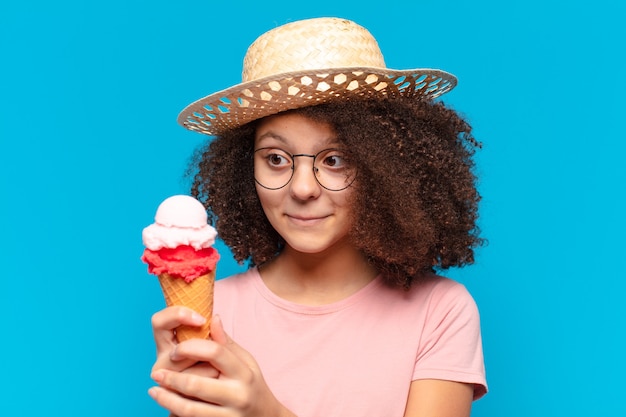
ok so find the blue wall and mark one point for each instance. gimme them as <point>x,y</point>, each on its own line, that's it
<point>89,93</point>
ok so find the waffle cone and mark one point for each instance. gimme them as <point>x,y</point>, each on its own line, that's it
<point>196,295</point>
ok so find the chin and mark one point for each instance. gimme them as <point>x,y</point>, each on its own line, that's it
<point>308,249</point>
<point>312,247</point>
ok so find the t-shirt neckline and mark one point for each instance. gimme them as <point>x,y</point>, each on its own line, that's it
<point>330,308</point>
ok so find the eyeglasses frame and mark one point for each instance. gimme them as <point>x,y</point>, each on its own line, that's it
<point>293,168</point>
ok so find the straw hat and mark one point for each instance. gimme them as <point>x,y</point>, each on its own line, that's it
<point>305,63</point>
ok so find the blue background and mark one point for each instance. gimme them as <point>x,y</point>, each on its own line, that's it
<point>89,146</point>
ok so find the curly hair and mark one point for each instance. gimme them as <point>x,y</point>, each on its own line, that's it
<point>415,205</point>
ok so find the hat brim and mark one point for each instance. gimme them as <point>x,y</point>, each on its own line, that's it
<point>252,100</point>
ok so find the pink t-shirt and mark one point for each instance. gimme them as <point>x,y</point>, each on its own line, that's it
<point>356,357</point>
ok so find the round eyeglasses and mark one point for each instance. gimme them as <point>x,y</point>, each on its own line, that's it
<point>274,168</point>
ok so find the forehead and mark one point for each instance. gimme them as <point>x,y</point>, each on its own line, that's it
<point>294,130</point>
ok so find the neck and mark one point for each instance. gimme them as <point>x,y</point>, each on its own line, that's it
<point>320,278</point>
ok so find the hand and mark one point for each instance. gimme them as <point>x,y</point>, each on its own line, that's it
<point>163,324</point>
<point>230,384</point>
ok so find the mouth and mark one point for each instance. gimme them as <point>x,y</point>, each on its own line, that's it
<point>306,220</point>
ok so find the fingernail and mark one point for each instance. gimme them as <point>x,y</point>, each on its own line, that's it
<point>157,376</point>
<point>152,392</point>
<point>197,318</point>
<point>174,354</point>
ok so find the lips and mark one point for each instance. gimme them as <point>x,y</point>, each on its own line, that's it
<point>306,220</point>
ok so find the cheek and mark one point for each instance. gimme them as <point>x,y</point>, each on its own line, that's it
<point>345,206</point>
<point>346,198</point>
<point>269,200</point>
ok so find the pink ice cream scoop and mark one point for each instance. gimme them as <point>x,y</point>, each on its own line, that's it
<point>179,220</point>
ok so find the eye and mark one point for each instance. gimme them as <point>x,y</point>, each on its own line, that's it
<point>333,159</point>
<point>277,158</point>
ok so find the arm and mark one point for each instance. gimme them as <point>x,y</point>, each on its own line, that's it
<point>449,371</point>
<point>438,398</point>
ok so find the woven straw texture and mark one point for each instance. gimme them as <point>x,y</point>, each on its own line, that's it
<point>197,295</point>
<point>306,63</point>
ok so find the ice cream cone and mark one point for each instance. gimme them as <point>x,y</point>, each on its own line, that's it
<point>197,295</point>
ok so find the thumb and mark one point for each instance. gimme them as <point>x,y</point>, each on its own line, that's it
<point>218,334</point>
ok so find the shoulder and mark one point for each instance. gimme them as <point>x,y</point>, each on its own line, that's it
<point>450,314</point>
<point>450,346</point>
<point>435,290</point>
<point>433,301</point>
<point>236,282</point>
<point>447,297</point>
<point>433,298</point>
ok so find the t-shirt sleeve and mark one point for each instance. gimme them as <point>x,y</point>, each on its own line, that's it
<point>451,345</point>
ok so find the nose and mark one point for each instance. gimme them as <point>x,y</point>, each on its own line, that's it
<point>303,184</point>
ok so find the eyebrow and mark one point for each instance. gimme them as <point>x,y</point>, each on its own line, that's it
<point>333,142</point>
<point>272,135</point>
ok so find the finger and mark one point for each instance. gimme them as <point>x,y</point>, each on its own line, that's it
<point>221,351</point>
<point>203,369</point>
<point>222,357</point>
<point>181,406</point>
<point>222,394</point>
<point>217,331</point>
<point>194,353</point>
<point>169,359</point>
<point>166,320</point>
<point>219,335</point>
<point>163,323</point>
